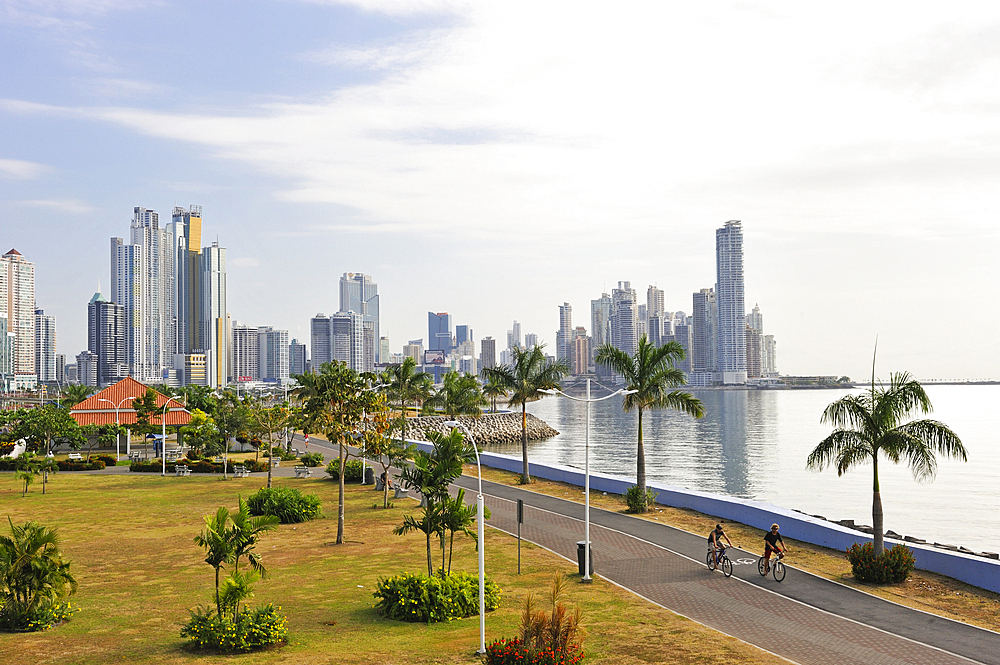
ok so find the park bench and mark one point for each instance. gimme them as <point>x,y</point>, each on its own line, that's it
<point>172,455</point>
<point>240,471</point>
<point>275,461</point>
<point>393,483</point>
<point>182,470</point>
<point>75,457</point>
<point>401,493</point>
<point>302,472</point>
<point>134,456</point>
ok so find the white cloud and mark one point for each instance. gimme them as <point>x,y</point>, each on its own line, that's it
<point>17,168</point>
<point>71,206</point>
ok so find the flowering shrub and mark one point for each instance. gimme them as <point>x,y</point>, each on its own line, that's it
<point>108,460</point>
<point>417,597</point>
<point>312,459</point>
<point>514,652</point>
<point>251,629</point>
<point>41,619</point>
<point>287,504</point>
<point>894,565</point>
<point>352,470</point>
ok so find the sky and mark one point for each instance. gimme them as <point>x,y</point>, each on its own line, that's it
<point>494,160</point>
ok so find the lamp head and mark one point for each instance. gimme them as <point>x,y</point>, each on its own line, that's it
<point>627,392</point>
<point>548,391</point>
<point>452,423</point>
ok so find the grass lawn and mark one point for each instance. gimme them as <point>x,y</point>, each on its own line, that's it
<point>130,540</point>
<point>923,590</point>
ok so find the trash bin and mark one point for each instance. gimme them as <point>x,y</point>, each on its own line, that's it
<point>581,555</point>
<point>369,476</point>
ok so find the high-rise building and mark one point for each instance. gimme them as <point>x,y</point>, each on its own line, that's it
<point>71,373</point>
<point>487,353</point>
<point>245,353</point>
<point>439,331</point>
<point>703,347</point>
<point>753,351</point>
<point>624,318</point>
<point>297,360</point>
<point>530,341</point>
<point>359,294</point>
<point>45,347</point>
<point>755,320</point>
<point>731,355</point>
<point>463,334</point>
<point>654,302</point>
<point>214,321</point>
<point>6,355</point>
<point>272,349</point>
<point>600,322</point>
<point>61,369</point>
<point>384,351</point>
<point>347,339</point>
<point>654,330</point>
<point>106,339</point>
<point>564,336</point>
<point>414,349</point>
<point>320,342</point>
<point>580,357</point>
<point>86,368</point>
<point>770,356</point>
<point>17,302</point>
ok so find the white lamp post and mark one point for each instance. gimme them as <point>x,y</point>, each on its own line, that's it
<point>163,441</point>
<point>118,436</point>
<point>586,467</point>
<point>480,537</point>
<point>364,453</point>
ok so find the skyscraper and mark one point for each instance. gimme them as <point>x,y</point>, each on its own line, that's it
<point>753,351</point>
<point>530,341</point>
<point>272,354</point>
<point>106,339</point>
<point>86,368</point>
<point>624,318</point>
<point>463,334</point>
<point>439,331</point>
<point>600,322</point>
<point>347,339</point>
<point>297,360</point>
<point>703,334</point>
<point>654,302</point>
<point>214,321</point>
<point>17,302</point>
<point>514,336</point>
<point>320,342</point>
<point>487,353</point>
<point>45,347</point>
<point>564,336</point>
<point>245,353</point>
<point>6,355</point>
<point>359,294</point>
<point>731,356</point>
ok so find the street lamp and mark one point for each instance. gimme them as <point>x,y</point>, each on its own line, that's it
<point>480,537</point>
<point>364,453</point>
<point>163,441</point>
<point>118,436</point>
<point>586,466</point>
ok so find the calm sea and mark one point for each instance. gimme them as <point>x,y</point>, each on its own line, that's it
<point>753,444</point>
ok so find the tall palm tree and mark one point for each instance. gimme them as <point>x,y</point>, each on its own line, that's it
<point>875,422</point>
<point>408,385</point>
<point>492,391</point>
<point>33,574</point>
<point>218,547</point>
<point>524,379</point>
<point>650,372</point>
<point>459,396</point>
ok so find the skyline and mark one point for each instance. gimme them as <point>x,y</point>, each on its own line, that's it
<point>494,163</point>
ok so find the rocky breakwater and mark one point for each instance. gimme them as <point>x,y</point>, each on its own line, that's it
<point>487,429</point>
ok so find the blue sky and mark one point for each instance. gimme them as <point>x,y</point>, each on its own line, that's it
<point>494,160</point>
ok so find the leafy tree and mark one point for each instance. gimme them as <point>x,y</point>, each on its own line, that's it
<point>199,397</point>
<point>42,426</point>
<point>266,421</point>
<point>876,422</point>
<point>232,418</point>
<point>408,386</point>
<point>74,394</point>
<point>201,434</point>
<point>101,435</point>
<point>218,546</point>
<point>650,372</point>
<point>27,466</point>
<point>524,379</point>
<point>378,443</point>
<point>493,390</point>
<point>145,409</point>
<point>459,395</point>
<point>33,574</point>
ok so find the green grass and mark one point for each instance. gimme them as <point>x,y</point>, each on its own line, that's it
<point>130,538</point>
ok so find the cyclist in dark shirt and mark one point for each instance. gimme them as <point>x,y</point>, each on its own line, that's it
<point>771,540</point>
<point>714,542</point>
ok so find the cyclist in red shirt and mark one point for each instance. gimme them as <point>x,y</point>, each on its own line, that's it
<point>771,540</point>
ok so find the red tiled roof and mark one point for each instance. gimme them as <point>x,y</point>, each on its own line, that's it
<point>99,409</point>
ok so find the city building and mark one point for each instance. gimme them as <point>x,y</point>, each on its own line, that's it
<point>530,341</point>
<point>731,333</point>
<point>272,349</point>
<point>754,348</point>
<point>683,332</point>
<point>61,369</point>
<point>6,355</point>
<point>564,336</point>
<point>71,373</point>
<point>45,347</point>
<point>214,321</point>
<point>347,340</point>
<point>359,294</point>
<point>463,334</point>
<point>320,343</point>
<point>17,303</point>
<point>106,339</point>
<point>514,336</point>
<point>298,360</point>
<point>245,353</point>
<point>769,356</point>
<point>414,349</point>
<point>487,353</point>
<point>600,322</point>
<point>624,318</point>
<point>384,352</point>
<point>580,358</point>
<point>703,344</point>
<point>86,368</point>
<point>654,302</point>
<point>439,331</point>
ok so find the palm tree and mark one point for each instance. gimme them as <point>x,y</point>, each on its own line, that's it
<point>33,574</point>
<point>492,391</point>
<point>874,422</point>
<point>459,396</point>
<point>524,379</point>
<point>408,385</point>
<point>74,394</point>
<point>218,547</point>
<point>457,515</point>
<point>650,372</point>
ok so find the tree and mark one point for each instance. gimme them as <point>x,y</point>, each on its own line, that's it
<point>33,574</point>
<point>456,515</point>
<point>408,385</point>
<point>102,435</point>
<point>41,427</point>
<point>875,422</point>
<point>27,467</point>
<point>459,395</point>
<point>336,400</point>
<point>492,390</point>
<point>218,546</point>
<point>243,537</point>
<point>201,434</point>
<point>74,394</point>
<point>650,372</point>
<point>145,409</point>
<point>230,415</point>
<point>199,397</point>
<point>378,443</point>
<point>524,379</point>
<point>266,421</point>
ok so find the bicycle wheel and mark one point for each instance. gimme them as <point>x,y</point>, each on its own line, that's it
<point>710,560</point>
<point>762,566</point>
<point>727,566</point>
<point>778,570</point>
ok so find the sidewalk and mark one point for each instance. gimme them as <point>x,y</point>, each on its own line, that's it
<point>805,619</point>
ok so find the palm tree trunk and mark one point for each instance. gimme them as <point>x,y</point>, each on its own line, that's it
<point>218,603</point>
<point>340,495</point>
<point>877,517</point>
<point>451,550</point>
<point>442,553</point>
<point>430,565</point>
<point>640,466</point>
<point>525,476</point>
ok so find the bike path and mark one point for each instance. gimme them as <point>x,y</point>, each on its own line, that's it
<point>805,619</point>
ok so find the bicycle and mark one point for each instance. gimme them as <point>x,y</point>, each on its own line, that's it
<point>718,557</point>
<point>777,568</point>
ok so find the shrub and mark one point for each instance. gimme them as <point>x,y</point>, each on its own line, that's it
<point>633,498</point>
<point>108,460</point>
<point>253,465</point>
<point>546,638</point>
<point>514,652</point>
<point>95,465</point>
<point>41,619</point>
<point>288,505</point>
<point>893,566</point>
<point>352,470</point>
<point>280,453</point>
<point>311,459</point>
<point>417,597</point>
<point>251,629</point>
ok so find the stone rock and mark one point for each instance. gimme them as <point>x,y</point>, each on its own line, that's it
<point>491,428</point>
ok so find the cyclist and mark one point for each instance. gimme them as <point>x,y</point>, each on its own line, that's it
<point>771,540</point>
<point>714,542</point>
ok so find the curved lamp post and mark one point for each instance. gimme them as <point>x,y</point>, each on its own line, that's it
<point>118,435</point>
<point>163,441</point>
<point>586,473</point>
<point>480,537</point>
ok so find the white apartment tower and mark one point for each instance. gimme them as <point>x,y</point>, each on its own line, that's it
<point>731,335</point>
<point>45,347</point>
<point>564,336</point>
<point>624,318</point>
<point>17,302</point>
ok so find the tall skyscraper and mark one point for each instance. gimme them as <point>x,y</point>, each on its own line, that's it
<point>106,339</point>
<point>297,360</point>
<point>530,341</point>
<point>61,369</point>
<point>214,321</point>
<point>564,336</point>
<point>414,349</point>
<point>770,356</point>
<point>320,343</point>
<point>463,334</point>
<point>514,336</point>
<point>580,356</point>
<point>17,302</point>
<point>6,355</point>
<point>753,351</point>
<point>654,302</point>
<point>245,353</point>
<point>272,358</point>
<point>86,368</point>
<point>600,322</point>
<point>359,294</point>
<point>682,335</point>
<point>347,339</point>
<point>755,320</point>
<point>624,318</point>
<point>731,355</point>
<point>439,331</point>
<point>184,291</point>
<point>487,353</point>
<point>45,347</point>
<point>703,334</point>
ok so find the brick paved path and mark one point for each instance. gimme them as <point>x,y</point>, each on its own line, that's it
<point>667,566</point>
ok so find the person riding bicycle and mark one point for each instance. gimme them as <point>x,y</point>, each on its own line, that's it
<point>771,540</point>
<point>714,542</point>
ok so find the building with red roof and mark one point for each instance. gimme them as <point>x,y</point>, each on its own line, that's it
<point>100,409</point>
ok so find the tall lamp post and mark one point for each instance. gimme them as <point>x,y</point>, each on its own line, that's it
<point>118,436</point>
<point>163,441</point>
<point>364,453</point>
<point>586,466</point>
<point>480,537</point>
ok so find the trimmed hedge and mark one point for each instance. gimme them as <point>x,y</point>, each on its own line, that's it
<point>891,567</point>
<point>196,466</point>
<point>108,460</point>
<point>416,597</point>
<point>94,465</point>
<point>289,505</point>
<point>352,470</point>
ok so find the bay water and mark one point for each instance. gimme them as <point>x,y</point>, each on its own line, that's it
<point>753,444</point>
